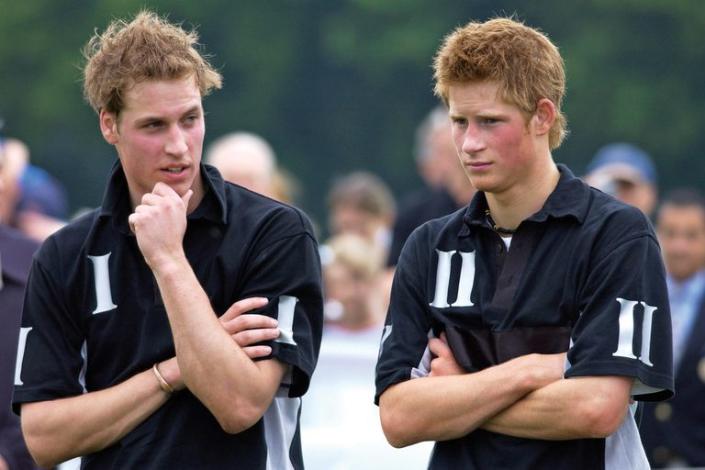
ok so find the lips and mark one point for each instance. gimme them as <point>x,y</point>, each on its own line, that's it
<point>175,170</point>
<point>477,165</point>
<point>174,173</point>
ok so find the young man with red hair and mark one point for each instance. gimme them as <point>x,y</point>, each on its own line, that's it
<point>545,300</point>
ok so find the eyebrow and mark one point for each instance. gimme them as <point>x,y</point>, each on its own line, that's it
<point>148,119</point>
<point>193,109</point>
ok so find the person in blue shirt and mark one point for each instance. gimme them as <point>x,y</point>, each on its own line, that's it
<point>673,432</point>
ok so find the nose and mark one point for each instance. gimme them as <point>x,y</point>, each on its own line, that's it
<point>472,141</point>
<point>176,142</point>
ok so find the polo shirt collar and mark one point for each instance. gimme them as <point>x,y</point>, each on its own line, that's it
<point>568,199</point>
<point>116,200</point>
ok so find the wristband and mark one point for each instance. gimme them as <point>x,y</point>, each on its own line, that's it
<point>163,384</point>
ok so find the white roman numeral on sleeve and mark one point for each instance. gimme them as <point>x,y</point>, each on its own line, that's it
<point>285,317</point>
<point>625,347</point>
<point>101,276</point>
<point>21,344</point>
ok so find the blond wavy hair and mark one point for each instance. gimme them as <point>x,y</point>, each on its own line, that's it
<point>146,48</point>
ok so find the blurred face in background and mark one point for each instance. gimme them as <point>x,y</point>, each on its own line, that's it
<point>626,185</point>
<point>351,289</point>
<point>347,218</point>
<point>681,233</point>
<point>14,156</point>
<point>441,161</point>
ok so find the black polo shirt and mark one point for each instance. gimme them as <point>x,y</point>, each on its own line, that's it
<point>583,275</point>
<point>94,317</point>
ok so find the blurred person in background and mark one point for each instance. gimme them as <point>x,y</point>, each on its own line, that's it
<point>133,350</point>
<point>248,160</point>
<point>16,252</point>
<point>42,208</point>
<point>340,426</point>
<point>361,203</point>
<point>673,432</point>
<point>15,160</point>
<point>36,202</point>
<point>350,271</point>
<point>447,189</point>
<point>626,172</point>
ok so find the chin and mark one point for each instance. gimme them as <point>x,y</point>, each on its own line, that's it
<point>484,186</point>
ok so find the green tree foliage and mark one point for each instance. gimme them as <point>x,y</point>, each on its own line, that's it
<point>338,85</point>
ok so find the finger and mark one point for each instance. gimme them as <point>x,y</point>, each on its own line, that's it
<point>242,306</point>
<point>131,220</point>
<point>162,189</point>
<point>253,352</point>
<point>250,337</point>
<point>438,347</point>
<point>250,321</point>
<point>444,338</point>
<point>151,199</point>
<point>435,367</point>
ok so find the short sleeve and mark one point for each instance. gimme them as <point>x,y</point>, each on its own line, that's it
<point>288,272</point>
<point>624,327</point>
<point>408,324</point>
<point>49,360</point>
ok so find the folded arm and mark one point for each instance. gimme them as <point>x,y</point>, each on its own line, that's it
<point>575,408</point>
<point>446,407</point>
<point>58,430</point>
<point>580,407</point>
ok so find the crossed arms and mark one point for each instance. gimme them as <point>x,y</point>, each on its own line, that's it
<point>213,355</point>
<point>524,397</point>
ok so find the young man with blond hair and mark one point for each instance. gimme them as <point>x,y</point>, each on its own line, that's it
<point>133,351</point>
<point>544,300</point>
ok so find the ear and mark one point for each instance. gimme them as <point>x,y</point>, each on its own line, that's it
<point>108,126</point>
<point>544,117</point>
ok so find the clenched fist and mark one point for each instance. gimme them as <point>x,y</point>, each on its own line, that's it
<point>159,223</point>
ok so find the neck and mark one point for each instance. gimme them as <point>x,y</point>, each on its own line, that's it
<point>199,191</point>
<point>525,198</point>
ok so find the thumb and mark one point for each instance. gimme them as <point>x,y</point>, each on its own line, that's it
<point>437,347</point>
